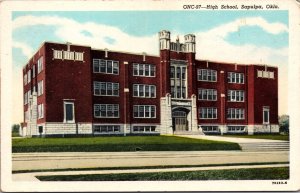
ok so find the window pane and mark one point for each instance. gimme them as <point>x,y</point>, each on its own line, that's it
<point>109,67</point>
<point>69,112</point>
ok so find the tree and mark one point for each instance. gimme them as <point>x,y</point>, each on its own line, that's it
<point>284,123</point>
<point>15,128</point>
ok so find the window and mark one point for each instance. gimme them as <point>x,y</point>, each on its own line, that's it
<point>236,129</point>
<point>172,72</point>
<point>234,77</point>
<point>106,89</point>
<point>236,95</point>
<point>106,129</point>
<point>28,76</point>
<point>265,74</point>
<point>207,75</point>
<point>235,113</point>
<point>144,111</point>
<point>69,112</point>
<point>57,54</point>
<point>25,98</point>
<point>266,115</point>
<point>40,111</point>
<point>33,71</point>
<point>143,90</point>
<point>79,56</point>
<point>105,66</point>
<point>40,90</point>
<point>147,70</point>
<point>207,94</point>
<point>69,55</point>
<point>144,129</point>
<point>40,64</point>
<point>25,79</point>
<point>26,116</point>
<point>210,129</point>
<point>106,110</point>
<point>208,113</point>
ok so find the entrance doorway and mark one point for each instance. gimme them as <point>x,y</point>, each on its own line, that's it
<point>179,119</point>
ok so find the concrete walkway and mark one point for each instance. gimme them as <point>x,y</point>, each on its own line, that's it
<point>63,160</point>
<point>248,144</point>
<point>32,176</point>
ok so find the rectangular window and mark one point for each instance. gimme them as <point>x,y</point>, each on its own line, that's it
<point>25,79</point>
<point>147,70</point>
<point>69,112</point>
<point>207,94</point>
<point>236,95</point>
<point>207,75</point>
<point>106,89</point>
<point>40,64</point>
<point>68,55</point>
<point>265,74</point>
<point>235,113</point>
<point>28,76</point>
<point>144,111</point>
<point>208,113</point>
<point>234,77</point>
<point>40,111</point>
<point>144,129</point>
<point>210,129</point>
<point>106,110</point>
<point>57,54</point>
<point>105,66</point>
<point>236,129</point>
<point>40,90</point>
<point>33,71</point>
<point>106,129</point>
<point>266,115</point>
<point>144,90</point>
<point>79,56</point>
<point>172,72</point>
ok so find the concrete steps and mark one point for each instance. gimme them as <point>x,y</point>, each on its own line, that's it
<point>266,146</point>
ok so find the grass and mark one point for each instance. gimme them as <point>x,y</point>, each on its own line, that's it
<point>118,144</point>
<point>263,136</point>
<point>281,173</point>
<point>146,167</point>
<point>15,134</point>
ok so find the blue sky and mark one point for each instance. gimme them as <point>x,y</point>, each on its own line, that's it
<point>145,23</point>
<point>259,37</point>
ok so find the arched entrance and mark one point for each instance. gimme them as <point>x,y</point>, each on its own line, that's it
<point>179,119</point>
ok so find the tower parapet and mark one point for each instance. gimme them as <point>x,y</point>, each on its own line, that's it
<point>190,43</point>
<point>164,40</point>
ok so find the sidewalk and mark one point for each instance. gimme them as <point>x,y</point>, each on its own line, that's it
<point>31,176</point>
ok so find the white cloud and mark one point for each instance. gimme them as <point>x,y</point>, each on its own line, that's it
<point>26,49</point>
<point>210,45</point>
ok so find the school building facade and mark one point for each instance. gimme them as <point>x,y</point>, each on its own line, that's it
<point>74,89</point>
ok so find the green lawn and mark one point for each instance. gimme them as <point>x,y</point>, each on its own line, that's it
<point>263,136</point>
<point>281,173</point>
<point>117,144</point>
<point>15,134</point>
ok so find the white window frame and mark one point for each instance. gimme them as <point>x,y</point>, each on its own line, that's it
<point>205,111</point>
<point>208,73</point>
<point>235,114</point>
<point>98,86</point>
<point>236,96</point>
<point>266,109</point>
<point>144,111</point>
<point>78,56</point>
<point>40,89</point>
<point>105,129</point>
<point>41,111</point>
<point>33,71</point>
<point>29,76</point>
<point>98,62</point>
<point>57,54</point>
<point>142,67</point>
<point>236,77</point>
<point>143,129</point>
<point>65,112</point>
<point>40,64</point>
<point>25,79</point>
<point>212,92</point>
<point>106,107</point>
<point>144,87</point>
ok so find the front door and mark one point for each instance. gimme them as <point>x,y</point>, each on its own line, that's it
<point>179,121</point>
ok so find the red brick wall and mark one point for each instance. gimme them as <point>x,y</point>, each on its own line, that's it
<point>68,79</point>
